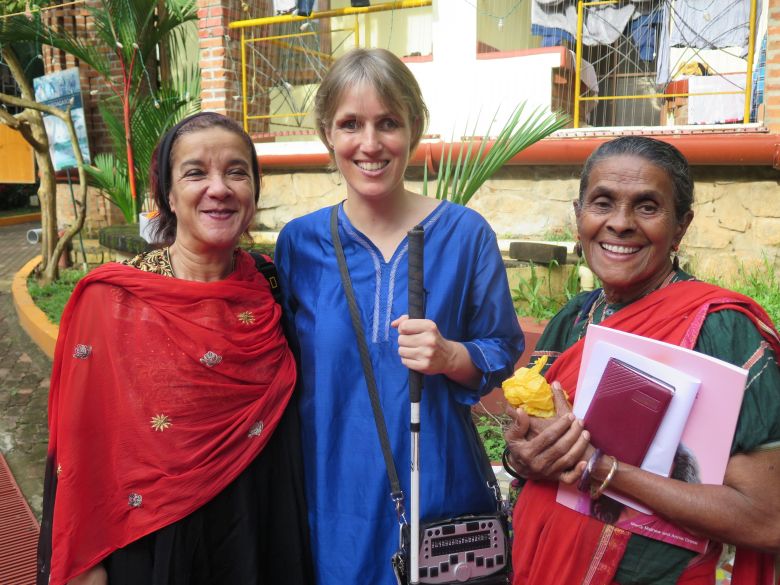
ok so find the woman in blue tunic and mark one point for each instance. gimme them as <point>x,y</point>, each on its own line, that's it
<point>370,115</point>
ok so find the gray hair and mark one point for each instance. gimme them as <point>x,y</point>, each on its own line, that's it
<point>661,154</point>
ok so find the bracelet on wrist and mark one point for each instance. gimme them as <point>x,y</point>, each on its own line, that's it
<point>584,483</point>
<point>508,466</point>
<point>596,493</point>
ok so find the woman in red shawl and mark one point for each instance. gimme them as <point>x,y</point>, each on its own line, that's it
<point>173,458</point>
<point>633,210</point>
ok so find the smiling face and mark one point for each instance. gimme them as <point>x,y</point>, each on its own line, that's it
<point>212,189</point>
<point>370,144</point>
<point>627,225</point>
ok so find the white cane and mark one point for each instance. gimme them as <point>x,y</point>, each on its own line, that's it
<point>416,311</point>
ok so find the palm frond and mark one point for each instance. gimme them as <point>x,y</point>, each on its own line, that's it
<point>174,14</point>
<point>127,32</point>
<point>109,173</point>
<point>459,183</point>
<point>152,117</point>
<point>111,112</point>
<point>20,29</point>
<point>183,57</point>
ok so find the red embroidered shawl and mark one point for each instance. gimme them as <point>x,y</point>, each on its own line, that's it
<point>554,545</point>
<point>162,392</point>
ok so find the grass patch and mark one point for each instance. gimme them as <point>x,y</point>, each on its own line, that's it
<point>51,299</point>
<point>761,283</point>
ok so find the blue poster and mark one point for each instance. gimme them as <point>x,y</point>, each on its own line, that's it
<point>58,90</point>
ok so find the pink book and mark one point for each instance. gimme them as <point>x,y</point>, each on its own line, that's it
<point>694,440</point>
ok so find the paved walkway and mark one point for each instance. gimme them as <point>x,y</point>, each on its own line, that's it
<point>24,377</point>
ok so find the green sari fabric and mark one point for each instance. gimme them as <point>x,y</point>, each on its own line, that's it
<point>727,335</point>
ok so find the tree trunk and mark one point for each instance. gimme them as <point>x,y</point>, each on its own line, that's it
<point>35,134</point>
<point>30,124</point>
<point>51,272</point>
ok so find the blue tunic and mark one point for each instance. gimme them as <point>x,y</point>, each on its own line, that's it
<point>353,523</point>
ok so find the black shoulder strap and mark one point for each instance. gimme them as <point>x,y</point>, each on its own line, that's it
<point>379,418</point>
<point>268,270</point>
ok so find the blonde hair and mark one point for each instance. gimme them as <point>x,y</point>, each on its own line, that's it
<point>392,80</point>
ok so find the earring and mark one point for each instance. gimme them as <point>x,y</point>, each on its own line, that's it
<point>675,257</point>
<point>578,248</point>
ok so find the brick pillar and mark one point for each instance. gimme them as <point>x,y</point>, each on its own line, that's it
<point>772,80</point>
<point>220,56</point>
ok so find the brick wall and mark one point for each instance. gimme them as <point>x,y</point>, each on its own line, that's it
<point>220,56</point>
<point>100,211</point>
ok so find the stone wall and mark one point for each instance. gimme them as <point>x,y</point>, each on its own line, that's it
<point>737,220</point>
<point>737,209</point>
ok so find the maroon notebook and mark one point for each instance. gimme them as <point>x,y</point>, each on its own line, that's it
<point>626,411</point>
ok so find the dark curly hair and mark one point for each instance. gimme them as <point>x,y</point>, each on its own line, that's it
<point>165,223</point>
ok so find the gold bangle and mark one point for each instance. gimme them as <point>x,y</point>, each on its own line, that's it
<point>595,493</point>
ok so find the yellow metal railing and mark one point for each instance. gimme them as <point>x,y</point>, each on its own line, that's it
<point>285,18</point>
<point>581,4</point>
<point>242,25</point>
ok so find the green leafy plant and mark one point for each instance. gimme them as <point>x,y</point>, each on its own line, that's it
<point>571,286</point>
<point>491,430</point>
<point>127,35</point>
<point>15,6</point>
<point>152,116</point>
<point>534,296</point>
<point>459,179</point>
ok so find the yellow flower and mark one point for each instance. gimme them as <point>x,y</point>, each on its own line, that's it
<point>161,422</point>
<point>529,390</point>
<point>246,317</point>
